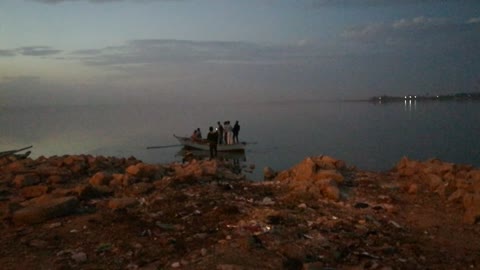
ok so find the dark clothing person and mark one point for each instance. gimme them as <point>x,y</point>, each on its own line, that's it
<point>220,133</point>
<point>236,130</point>
<point>212,138</point>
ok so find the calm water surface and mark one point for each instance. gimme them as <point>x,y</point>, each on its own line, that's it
<point>370,136</point>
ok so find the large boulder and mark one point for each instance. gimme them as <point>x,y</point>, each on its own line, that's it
<point>317,176</point>
<point>25,180</point>
<point>45,208</point>
<point>197,169</point>
<point>471,203</point>
<point>122,203</point>
<point>33,191</point>
<point>100,179</point>
<point>143,170</point>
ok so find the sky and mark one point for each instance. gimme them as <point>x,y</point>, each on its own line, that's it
<point>74,52</point>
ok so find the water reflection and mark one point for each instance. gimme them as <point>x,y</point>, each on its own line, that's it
<point>409,104</point>
<point>234,158</point>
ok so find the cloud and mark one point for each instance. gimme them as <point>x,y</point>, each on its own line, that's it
<point>156,51</point>
<point>94,1</point>
<point>37,51</point>
<point>474,20</point>
<point>343,3</point>
<point>433,34</point>
<point>7,53</point>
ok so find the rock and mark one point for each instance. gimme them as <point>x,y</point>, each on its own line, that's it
<point>330,163</point>
<point>329,174</point>
<point>56,179</point>
<point>474,175</point>
<point>305,170</point>
<point>268,173</point>
<point>141,188</point>
<point>15,166</point>
<point>33,191</point>
<point>79,257</point>
<point>122,203</point>
<point>38,243</point>
<point>456,196</point>
<point>145,170</point>
<point>197,169</point>
<point>434,181</point>
<point>100,179</point>
<point>330,190</point>
<point>45,208</point>
<point>86,192</point>
<point>24,180</point>
<point>471,203</point>
<point>412,189</point>
<point>229,267</point>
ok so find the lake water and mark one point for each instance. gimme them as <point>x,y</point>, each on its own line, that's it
<point>369,136</point>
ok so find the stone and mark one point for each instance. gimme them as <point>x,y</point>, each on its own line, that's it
<point>100,179</point>
<point>434,181</point>
<point>146,170</point>
<point>305,170</point>
<point>229,267</point>
<point>38,243</point>
<point>456,196</point>
<point>24,180</point>
<point>33,191</point>
<point>330,163</point>
<point>141,188</point>
<point>79,257</point>
<point>330,190</point>
<point>412,189</point>
<point>56,179</point>
<point>86,192</point>
<point>122,203</point>
<point>471,203</point>
<point>45,208</point>
<point>133,170</point>
<point>474,175</point>
<point>15,166</point>
<point>330,174</point>
<point>268,173</point>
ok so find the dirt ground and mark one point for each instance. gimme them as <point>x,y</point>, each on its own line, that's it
<point>210,221</point>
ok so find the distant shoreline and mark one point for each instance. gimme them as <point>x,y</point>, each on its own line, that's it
<point>474,96</point>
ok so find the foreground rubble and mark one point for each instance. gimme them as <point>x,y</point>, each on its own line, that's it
<point>86,212</point>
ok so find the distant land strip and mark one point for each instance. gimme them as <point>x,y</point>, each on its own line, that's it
<point>448,97</point>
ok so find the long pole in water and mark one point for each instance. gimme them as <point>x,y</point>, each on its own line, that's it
<point>163,146</point>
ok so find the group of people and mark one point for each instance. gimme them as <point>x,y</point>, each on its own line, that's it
<point>223,134</point>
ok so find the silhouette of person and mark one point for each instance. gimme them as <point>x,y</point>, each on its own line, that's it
<point>220,133</point>
<point>236,130</point>
<point>212,138</point>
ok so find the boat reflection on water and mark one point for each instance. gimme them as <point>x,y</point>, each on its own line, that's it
<point>235,158</point>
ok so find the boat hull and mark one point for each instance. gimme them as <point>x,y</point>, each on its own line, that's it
<point>189,143</point>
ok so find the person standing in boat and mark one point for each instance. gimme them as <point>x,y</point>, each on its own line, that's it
<point>229,131</point>
<point>226,130</point>
<point>212,138</point>
<point>220,133</point>
<point>236,130</point>
<point>199,134</point>
<point>194,135</point>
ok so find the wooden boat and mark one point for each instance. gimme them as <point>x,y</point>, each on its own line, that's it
<point>203,145</point>
<point>15,151</point>
<point>200,154</point>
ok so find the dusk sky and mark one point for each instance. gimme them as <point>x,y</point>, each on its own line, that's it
<point>154,51</point>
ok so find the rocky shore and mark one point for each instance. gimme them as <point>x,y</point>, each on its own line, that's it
<point>94,212</point>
